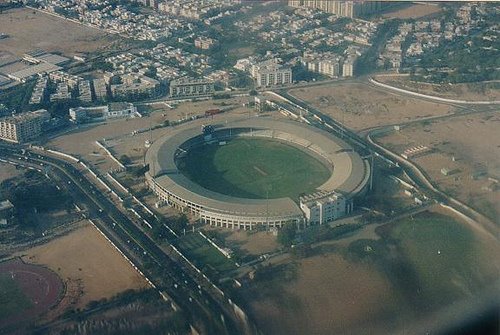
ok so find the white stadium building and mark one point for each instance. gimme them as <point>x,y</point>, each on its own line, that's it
<point>350,176</point>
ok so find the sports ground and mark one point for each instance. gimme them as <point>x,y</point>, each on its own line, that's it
<point>255,169</point>
<point>205,255</point>
<point>26,291</point>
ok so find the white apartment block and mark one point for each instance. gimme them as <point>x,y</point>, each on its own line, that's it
<point>190,87</point>
<point>270,73</point>
<point>340,8</point>
<point>348,69</point>
<point>23,127</point>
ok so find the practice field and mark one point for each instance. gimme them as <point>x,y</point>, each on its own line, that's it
<point>12,297</point>
<point>26,291</point>
<point>92,269</point>
<point>204,255</point>
<point>254,168</point>
<point>449,261</point>
<point>388,279</point>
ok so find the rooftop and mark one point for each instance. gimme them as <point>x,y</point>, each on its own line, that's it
<point>6,204</point>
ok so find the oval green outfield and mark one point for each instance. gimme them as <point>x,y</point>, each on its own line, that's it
<point>254,168</point>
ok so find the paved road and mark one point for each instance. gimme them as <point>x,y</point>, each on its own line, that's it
<point>317,118</point>
<point>204,309</point>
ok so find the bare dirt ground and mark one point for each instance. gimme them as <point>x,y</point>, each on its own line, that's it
<point>28,30</point>
<point>473,141</point>
<point>82,141</point>
<point>413,12</point>
<point>118,133</point>
<point>8,171</point>
<point>473,91</point>
<point>360,106</point>
<point>329,296</point>
<point>91,268</point>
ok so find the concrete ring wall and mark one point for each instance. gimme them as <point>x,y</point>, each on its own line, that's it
<point>350,173</point>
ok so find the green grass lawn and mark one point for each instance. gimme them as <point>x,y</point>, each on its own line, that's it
<point>445,255</point>
<point>12,299</point>
<point>254,168</point>
<point>203,254</point>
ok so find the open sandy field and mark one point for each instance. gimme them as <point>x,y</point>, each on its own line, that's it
<point>365,107</point>
<point>118,133</point>
<point>328,296</point>
<point>472,92</point>
<point>413,12</point>
<point>28,30</point>
<point>82,141</point>
<point>473,141</point>
<point>91,268</point>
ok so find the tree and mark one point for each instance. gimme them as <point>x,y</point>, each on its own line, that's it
<point>286,234</point>
<point>180,223</point>
<point>302,250</point>
<point>125,160</point>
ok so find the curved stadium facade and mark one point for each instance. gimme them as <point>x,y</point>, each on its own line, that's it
<point>349,177</point>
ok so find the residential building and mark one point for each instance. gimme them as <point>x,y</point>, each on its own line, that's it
<point>64,77</point>
<point>204,43</point>
<point>348,68</point>
<point>135,86</point>
<point>271,73</point>
<point>38,93</point>
<point>326,64</point>
<point>20,128</point>
<point>191,87</point>
<point>340,8</point>
<point>62,93</point>
<point>84,91</point>
<point>100,89</point>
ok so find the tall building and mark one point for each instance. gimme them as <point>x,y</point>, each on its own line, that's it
<point>328,65</point>
<point>23,127</point>
<point>322,208</point>
<point>191,87</point>
<point>134,86</point>
<point>348,68</point>
<point>100,89</point>
<point>340,8</point>
<point>271,73</point>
